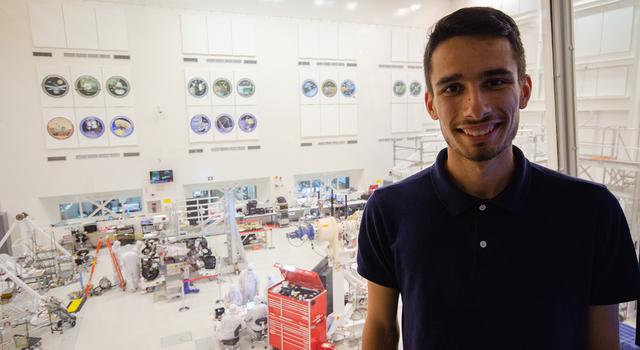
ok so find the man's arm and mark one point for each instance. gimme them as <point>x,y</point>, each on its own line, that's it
<point>381,326</point>
<point>602,327</point>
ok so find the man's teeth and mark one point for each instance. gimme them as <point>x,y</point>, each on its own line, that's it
<point>479,131</point>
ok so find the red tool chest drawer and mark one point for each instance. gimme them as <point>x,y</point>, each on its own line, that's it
<point>297,311</point>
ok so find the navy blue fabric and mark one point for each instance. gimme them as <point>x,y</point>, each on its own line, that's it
<point>553,245</point>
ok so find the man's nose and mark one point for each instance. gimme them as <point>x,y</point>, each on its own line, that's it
<point>476,103</point>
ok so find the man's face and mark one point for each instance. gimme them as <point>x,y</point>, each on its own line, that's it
<point>476,95</point>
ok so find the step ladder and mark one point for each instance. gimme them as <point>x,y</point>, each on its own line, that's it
<point>114,260</point>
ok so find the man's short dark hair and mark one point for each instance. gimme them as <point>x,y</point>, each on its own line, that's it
<point>475,21</point>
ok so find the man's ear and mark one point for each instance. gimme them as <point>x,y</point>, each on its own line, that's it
<point>525,91</point>
<point>428,100</point>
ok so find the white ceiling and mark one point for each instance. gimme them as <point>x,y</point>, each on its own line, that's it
<point>414,13</point>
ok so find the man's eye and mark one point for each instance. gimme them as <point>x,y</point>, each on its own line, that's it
<point>452,89</point>
<point>496,82</point>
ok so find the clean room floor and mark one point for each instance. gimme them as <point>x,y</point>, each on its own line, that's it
<point>122,320</point>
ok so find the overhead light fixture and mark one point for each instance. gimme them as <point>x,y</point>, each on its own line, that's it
<point>402,11</point>
<point>324,3</point>
<point>351,5</point>
<point>415,7</point>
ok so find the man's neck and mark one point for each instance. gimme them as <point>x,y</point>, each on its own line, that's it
<point>481,179</point>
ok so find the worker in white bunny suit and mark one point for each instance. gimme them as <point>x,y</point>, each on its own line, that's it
<point>249,284</point>
<point>130,262</point>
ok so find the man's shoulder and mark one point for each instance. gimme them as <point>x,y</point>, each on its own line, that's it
<point>548,181</point>
<point>419,182</point>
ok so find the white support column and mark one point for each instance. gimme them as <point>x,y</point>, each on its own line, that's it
<point>563,77</point>
<point>546,79</point>
<point>338,292</point>
<point>8,233</point>
<point>237,249</point>
<point>634,92</point>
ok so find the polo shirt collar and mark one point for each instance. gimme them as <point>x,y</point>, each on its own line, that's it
<point>456,201</point>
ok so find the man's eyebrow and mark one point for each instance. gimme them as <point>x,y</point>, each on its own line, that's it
<point>497,71</point>
<point>448,79</point>
<point>486,74</point>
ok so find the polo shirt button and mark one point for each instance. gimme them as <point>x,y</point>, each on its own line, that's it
<point>482,207</point>
<point>483,244</point>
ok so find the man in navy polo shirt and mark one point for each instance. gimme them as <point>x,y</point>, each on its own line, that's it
<point>487,250</point>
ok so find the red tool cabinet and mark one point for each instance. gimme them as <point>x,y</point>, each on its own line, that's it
<point>296,324</point>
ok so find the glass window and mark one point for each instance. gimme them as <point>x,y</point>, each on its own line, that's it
<point>607,103</point>
<point>89,209</point>
<point>304,186</point>
<point>200,194</point>
<point>252,192</point>
<point>340,183</point>
<point>69,211</point>
<point>91,206</point>
<point>115,206</point>
<point>245,193</point>
<point>132,205</point>
<point>240,193</point>
<point>317,185</point>
<point>217,193</point>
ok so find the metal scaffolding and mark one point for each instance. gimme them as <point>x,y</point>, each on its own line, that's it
<point>212,216</point>
<point>611,158</point>
<point>413,154</point>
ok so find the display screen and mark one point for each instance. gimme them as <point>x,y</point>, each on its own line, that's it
<point>161,176</point>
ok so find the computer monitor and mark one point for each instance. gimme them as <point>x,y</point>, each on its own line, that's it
<point>161,176</point>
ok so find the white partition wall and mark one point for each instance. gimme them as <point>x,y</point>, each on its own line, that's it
<point>112,28</point>
<point>80,26</point>
<point>47,24</point>
<point>194,33</point>
<point>219,35</point>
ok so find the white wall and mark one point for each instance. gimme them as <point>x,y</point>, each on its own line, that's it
<point>157,72</point>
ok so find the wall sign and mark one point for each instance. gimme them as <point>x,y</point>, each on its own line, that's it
<point>55,86</point>
<point>224,123</point>
<point>222,87</point>
<point>399,88</point>
<point>118,86</point>
<point>309,88</point>
<point>348,88</point>
<point>197,87</point>
<point>247,122</point>
<point>91,127</point>
<point>87,86</point>
<point>415,88</point>
<point>329,88</point>
<point>246,87</point>
<point>121,126</point>
<point>200,124</point>
<point>60,128</point>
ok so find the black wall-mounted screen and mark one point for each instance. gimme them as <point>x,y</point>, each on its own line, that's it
<point>161,176</point>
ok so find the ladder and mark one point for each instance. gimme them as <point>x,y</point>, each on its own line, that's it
<point>114,260</point>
